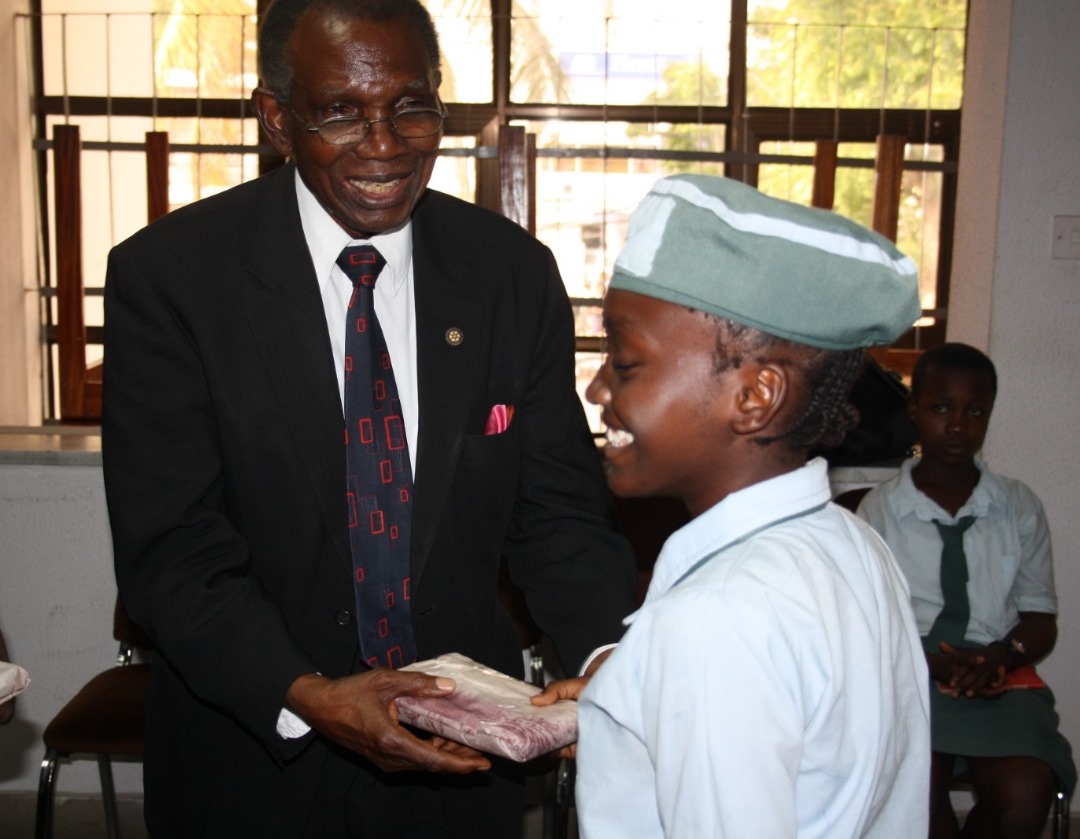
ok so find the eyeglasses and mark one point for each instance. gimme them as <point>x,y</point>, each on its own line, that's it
<point>407,125</point>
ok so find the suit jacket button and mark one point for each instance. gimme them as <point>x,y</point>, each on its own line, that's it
<point>344,617</point>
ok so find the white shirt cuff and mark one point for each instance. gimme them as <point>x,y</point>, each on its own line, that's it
<point>593,656</point>
<point>290,726</point>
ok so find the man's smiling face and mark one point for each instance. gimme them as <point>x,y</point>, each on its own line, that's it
<point>375,69</point>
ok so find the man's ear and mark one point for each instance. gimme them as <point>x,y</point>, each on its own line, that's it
<point>274,119</point>
<point>763,391</point>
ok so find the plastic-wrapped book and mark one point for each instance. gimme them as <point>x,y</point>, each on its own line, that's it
<point>489,711</point>
<point>13,681</point>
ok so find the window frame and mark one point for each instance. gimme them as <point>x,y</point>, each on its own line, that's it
<point>745,129</point>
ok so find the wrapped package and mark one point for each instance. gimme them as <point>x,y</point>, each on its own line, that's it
<point>489,711</point>
<point>13,681</point>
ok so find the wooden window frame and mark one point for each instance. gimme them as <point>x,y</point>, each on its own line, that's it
<point>505,180</point>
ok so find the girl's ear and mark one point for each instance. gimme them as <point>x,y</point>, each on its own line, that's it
<point>911,408</point>
<point>762,392</point>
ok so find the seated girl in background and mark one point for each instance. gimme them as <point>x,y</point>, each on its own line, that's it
<point>975,548</point>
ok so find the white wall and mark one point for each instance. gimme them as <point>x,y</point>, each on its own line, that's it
<point>56,603</point>
<point>1020,166</point>
<point>20,377</point>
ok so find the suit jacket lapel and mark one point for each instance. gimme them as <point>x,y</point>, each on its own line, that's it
<point>286,316</point>
<point>289,325</point>
<point>447,372</point>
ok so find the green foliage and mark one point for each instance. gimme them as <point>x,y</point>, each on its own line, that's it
<point>905,13</point>
<point>847,54</point>
<point>841,54</point>
<point>686,83</point>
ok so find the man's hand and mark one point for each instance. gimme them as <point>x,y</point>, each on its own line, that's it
<point>358,712</point>
<point>453,747</point>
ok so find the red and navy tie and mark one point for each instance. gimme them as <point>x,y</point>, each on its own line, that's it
<point>378,472</point>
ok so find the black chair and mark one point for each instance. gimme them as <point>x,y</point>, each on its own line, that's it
<point>558,775</point>
<point>1059,815</point>
<point>104,720</point>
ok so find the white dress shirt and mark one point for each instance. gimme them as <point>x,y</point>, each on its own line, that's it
<point>394,304</point>
<point>779,690</point>
<point>1009,558</point>
<point>395,309</point>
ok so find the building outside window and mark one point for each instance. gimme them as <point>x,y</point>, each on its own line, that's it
<point>617,93</point>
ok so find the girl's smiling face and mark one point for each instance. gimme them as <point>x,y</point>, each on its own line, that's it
<point>663,402</point>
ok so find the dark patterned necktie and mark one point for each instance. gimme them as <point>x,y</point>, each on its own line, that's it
<point>952,621</point>
<point>378,472</point>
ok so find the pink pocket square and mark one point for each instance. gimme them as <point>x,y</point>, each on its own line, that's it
<point>499,419</point>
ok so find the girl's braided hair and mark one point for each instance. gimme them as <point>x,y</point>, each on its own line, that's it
<point>827,414</point>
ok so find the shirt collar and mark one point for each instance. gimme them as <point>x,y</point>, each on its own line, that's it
<point>911,501</point>
<point>738,515</point>
<point>326,239</point>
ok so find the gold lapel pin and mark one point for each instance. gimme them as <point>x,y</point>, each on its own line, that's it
<point>454,336</point>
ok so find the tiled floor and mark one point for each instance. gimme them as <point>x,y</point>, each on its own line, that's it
<point>75,817</point>
<point>84,818</point>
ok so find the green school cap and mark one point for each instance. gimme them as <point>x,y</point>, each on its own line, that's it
<point>807,275</point>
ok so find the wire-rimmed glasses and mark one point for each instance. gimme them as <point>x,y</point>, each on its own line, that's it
<point>414,124</point>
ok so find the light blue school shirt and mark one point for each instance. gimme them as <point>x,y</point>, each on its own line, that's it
<point>778,691</point>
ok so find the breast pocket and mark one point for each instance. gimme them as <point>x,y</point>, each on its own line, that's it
<point>991,595</point>
<point>491,461</point>
<point>482,496</point>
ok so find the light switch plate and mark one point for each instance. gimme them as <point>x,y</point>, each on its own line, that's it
<point>1066,238</point>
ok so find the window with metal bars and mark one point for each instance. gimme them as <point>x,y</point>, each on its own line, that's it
<point>793,96</point>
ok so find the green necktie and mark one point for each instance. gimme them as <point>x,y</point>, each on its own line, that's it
<point>951,623</point>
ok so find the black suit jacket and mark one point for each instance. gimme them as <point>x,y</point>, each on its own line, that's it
<point>224,471</point>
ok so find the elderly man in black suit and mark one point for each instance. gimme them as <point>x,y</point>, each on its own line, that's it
<point>226,474</point>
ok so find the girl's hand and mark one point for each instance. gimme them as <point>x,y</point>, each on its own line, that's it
<point>970,671</point>
<point>556,691</point>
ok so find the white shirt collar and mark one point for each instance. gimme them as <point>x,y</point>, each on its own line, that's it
<point>326,239</point>
<point>738,515</point>
<point>911,501</point>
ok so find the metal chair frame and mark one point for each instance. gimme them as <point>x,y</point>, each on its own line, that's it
<point>50,766</point>
<point>130,637</point>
